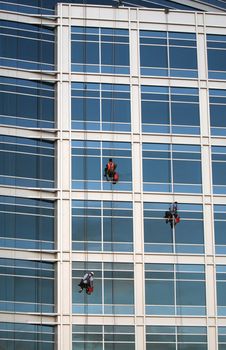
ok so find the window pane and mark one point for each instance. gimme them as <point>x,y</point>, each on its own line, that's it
<point>156,170</point>
<point>159,292</point>
<point>187,172</point>
<point>190,293</point>
<point>185,114</point>
<point>182,58</point>
<point>153,56</point>
<point>155,112</point>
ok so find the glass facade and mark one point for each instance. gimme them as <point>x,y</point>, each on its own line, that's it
<point>173,338</point>
<point>216,50</point>
<point>26,162</point>
<point>171,168</point>
<point>26,103</point>
<point>219,228</point>
<point>83,84</point>
<point>103,107</point>
<point>102,226</point>
<point>170,110</point>
<point>103,337</point>
<point>168,54</point>
<point>186,237</point>
<point>114,289</point>
<point>26,336</point>
<point>89,159</point>
<point>100,50</point>
<point>221,287</point>
<point>221,338</point>
<point>28,286</point>
<point>175,289</point>
<point>26,46</point>
<point>26,223</point>
<point>218,166</point>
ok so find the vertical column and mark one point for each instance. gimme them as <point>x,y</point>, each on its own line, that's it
<point>134,44</point>
<point>206,170</point>
<point>204,110</point>
<point>137,167</point>
<point>208,229</point>
<point>201,50</point>
<point>135,108</point>
<point>64,279</point>
<point>211,306</point>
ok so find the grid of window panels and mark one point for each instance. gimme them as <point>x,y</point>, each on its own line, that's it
<point>100,50</point>
<point>26,223</point>
<point>26,336</point>
<point>27,286</point>
<point>102,226</point>
<point>103,107</point>
<point>26,162</point>
<point>186,237</point>
<point>176,338</point>
<point>89,159</point>
<point>170,110</point>
<point>221,289</point>
<point>175,289</point>
<point>26,103</point>
<point>218,169</point>
<point>171,168</point>
<point>26,46</point>
<point>220,229</point>
<point>216,52</point>
<point>221,338</point>
<point>217,100</point>
<point>103,337</point>
<point>168,54</point>
<point>113,288</point>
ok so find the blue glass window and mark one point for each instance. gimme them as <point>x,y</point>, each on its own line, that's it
<point>168,54</point>
<point>113,288</point>
<point>103,337</point>
<point>220,229</point>
<point>171,168</point>
<point>217,99</point>
<point>186,237</point>
<point>175,289</point>
<point>26,223</point>
<point>216,52</point>
<point>27,286</point>
<point>26,336</point>
<point>173,338</point>
<point>89,159</point>
<point>26,103</point>
<point>26,46</point>
<point>47,7</point>
<point>100,107</point>
<point>221,289</point>
<point>29,6</point>
<point>100,50</point>
<point>102,226</point>
<point>221,338</point>
<point>26,162</point>
<point>170,110</point>
<point>219,169</point>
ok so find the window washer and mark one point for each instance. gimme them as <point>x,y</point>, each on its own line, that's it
<point>110,173</point>
<point>171,215</point>
<point>87,283</point>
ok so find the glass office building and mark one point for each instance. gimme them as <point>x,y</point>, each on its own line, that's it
<point>144,83</point>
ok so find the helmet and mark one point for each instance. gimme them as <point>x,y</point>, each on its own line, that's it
<point>92,273</point>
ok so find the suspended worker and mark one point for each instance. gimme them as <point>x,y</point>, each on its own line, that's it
<point>87,283</point>
<point>110,173</point>
<point>171,215</point>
